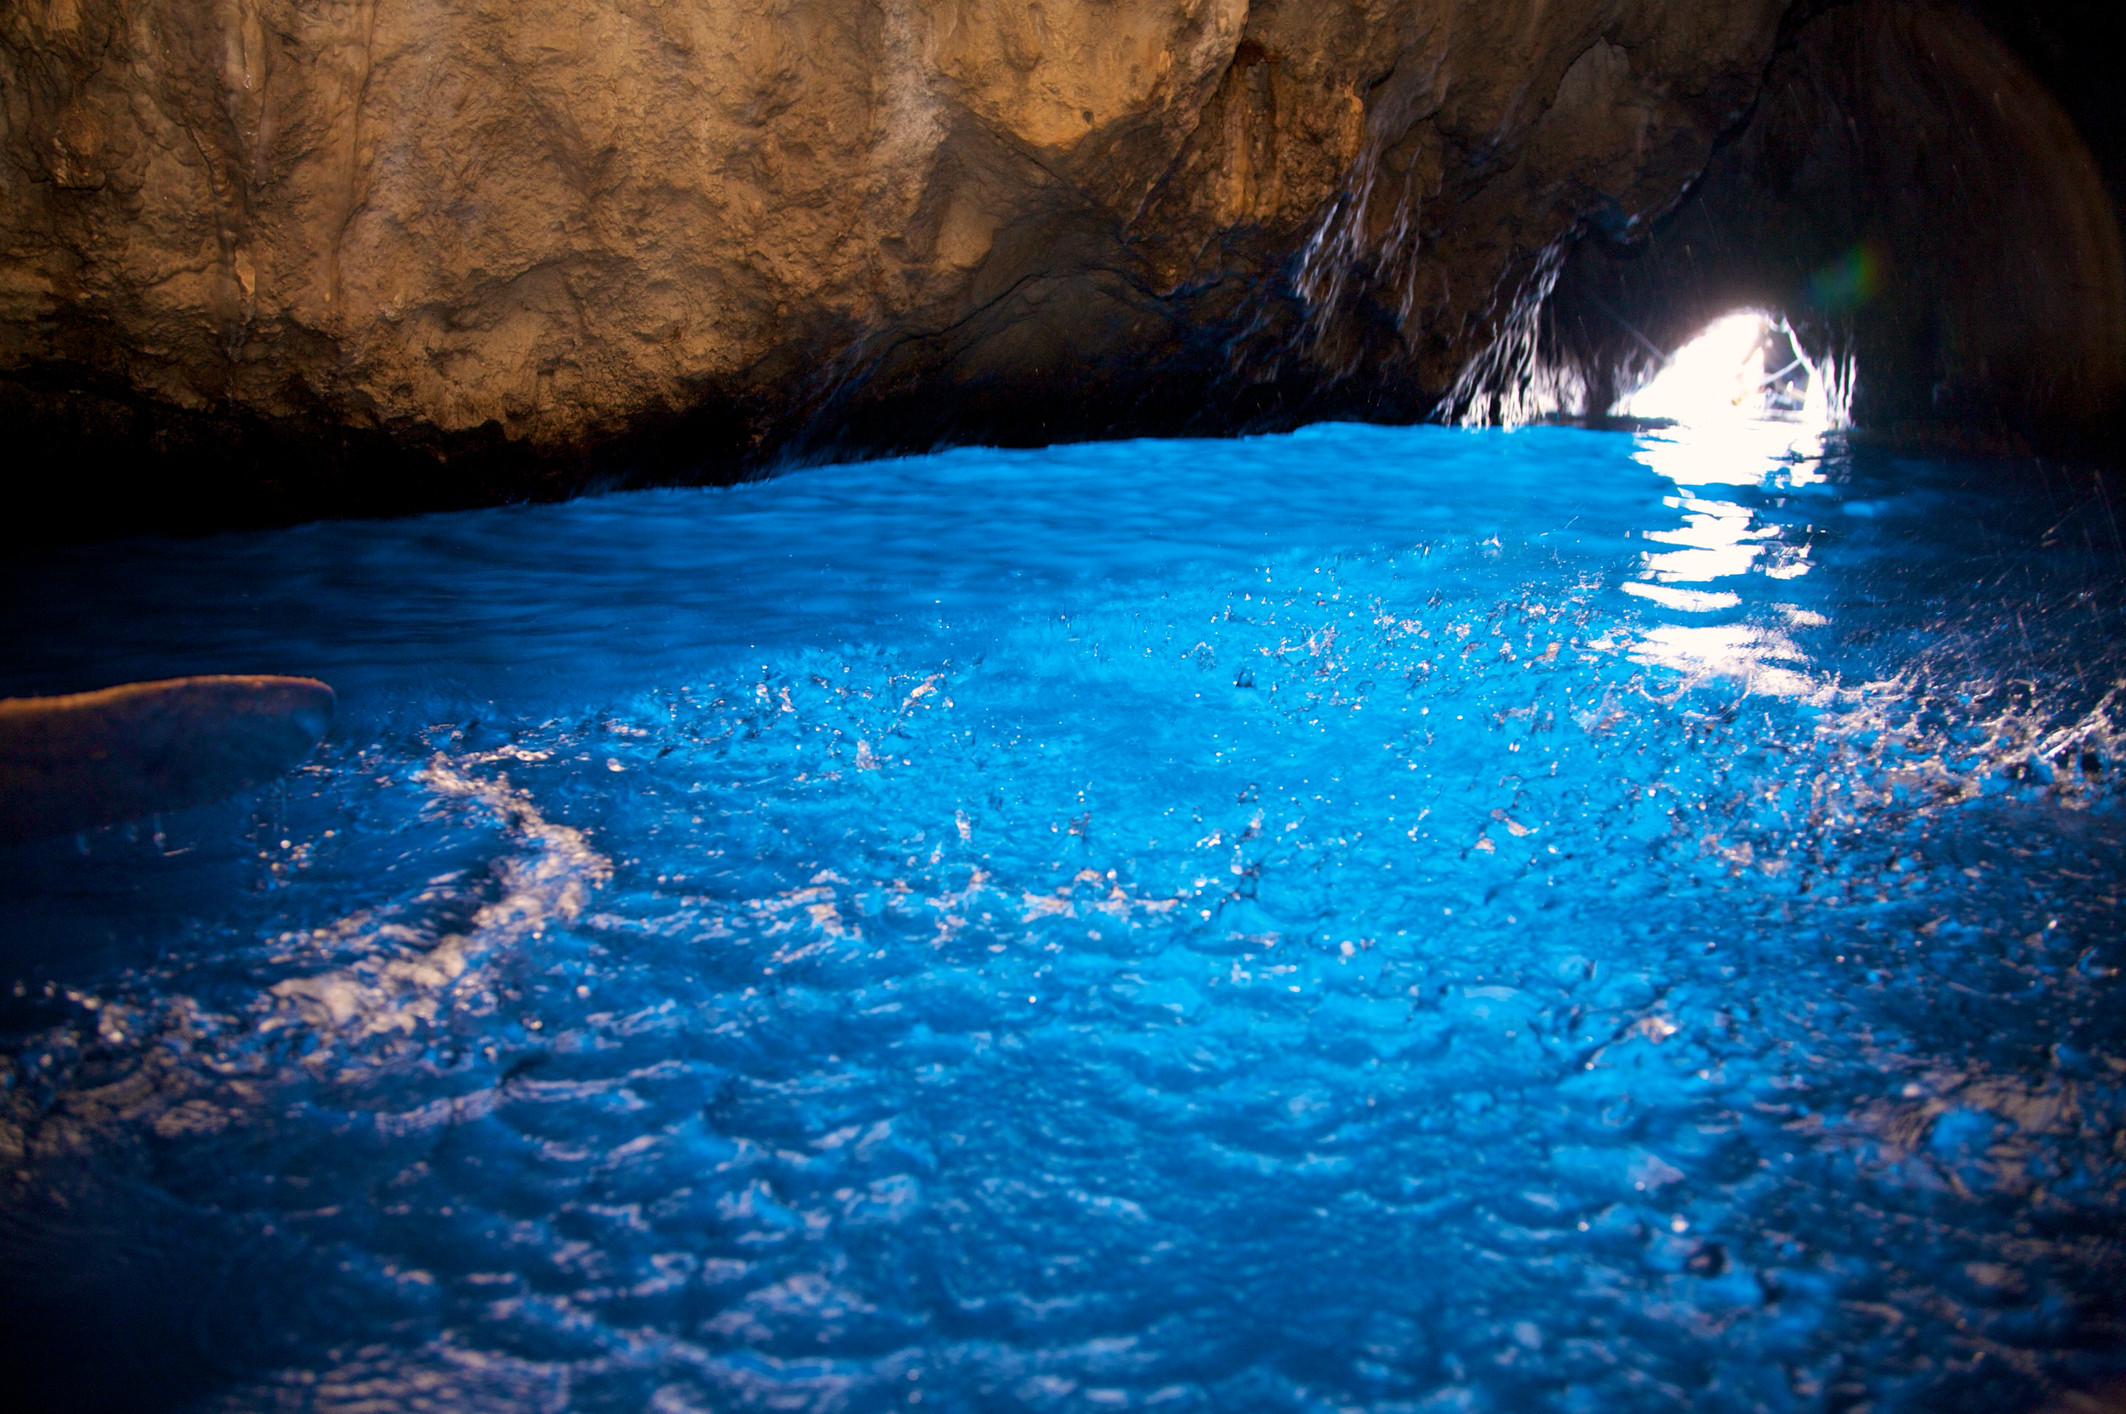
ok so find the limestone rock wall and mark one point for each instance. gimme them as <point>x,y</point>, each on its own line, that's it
<point>559,218</point>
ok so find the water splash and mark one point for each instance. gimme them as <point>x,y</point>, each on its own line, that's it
<point>1513,381</point>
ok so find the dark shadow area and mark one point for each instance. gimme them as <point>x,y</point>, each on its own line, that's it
<point>114,1296</point>
<point>106,462</point>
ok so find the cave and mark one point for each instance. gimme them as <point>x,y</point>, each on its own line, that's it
<point>1919,202</point>
<point>840,705</point>
<point>1446,217</point>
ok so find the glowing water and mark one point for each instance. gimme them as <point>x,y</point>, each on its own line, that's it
<point>1386,919</point>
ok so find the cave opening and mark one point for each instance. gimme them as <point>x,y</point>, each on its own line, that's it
<point>1910,197</point>
<point>1744,364</point>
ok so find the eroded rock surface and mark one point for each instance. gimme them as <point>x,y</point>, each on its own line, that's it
<point>562,221</point>
<point>1910,194</point>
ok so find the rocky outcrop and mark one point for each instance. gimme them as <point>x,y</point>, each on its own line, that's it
<point>531,228</point>
<point>371,254</point>
<point>96,758</point>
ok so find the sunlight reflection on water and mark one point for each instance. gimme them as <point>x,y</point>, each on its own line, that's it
<point>1726,539</point>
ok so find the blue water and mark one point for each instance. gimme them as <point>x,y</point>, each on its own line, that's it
<point>1374,919</point>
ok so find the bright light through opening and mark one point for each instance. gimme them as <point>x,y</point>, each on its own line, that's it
<point>1719,375</point>
<point>1747,367</point>
<point>1748,404</point>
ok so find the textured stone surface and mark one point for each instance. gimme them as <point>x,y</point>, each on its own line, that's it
<point>562,219</point>
<point>1910,194</point>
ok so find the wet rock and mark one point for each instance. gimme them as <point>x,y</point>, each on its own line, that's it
<point>293,248</point>
<point>97,758</point>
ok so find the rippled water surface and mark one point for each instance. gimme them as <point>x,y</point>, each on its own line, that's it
<point>1371,919</point>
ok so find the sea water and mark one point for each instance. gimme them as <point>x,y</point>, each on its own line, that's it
<point>1369,919</point>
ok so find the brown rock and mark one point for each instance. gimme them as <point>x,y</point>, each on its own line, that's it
<point>566,219</point>
<point>96,758</point>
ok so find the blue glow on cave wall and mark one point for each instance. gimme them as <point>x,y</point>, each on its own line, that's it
<point>1380,919</point>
